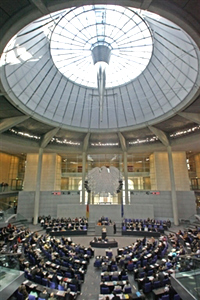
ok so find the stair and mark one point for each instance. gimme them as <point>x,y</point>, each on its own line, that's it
<point>19,223</point>
<point>91,228</point>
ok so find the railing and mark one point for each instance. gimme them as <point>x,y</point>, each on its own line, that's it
<point>10,260</point>
<point>189,220</point>
<point>188,273</point>
<point>13,188</point>
<point>9,215</point>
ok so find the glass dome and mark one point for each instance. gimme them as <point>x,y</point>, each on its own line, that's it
<point>48,69</point>
<point>81,30</point>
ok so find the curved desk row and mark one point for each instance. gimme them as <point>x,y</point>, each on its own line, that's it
<point>141,233</point>
<point>68,232</point>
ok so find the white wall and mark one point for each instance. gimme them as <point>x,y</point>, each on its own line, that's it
<point>141,206</point>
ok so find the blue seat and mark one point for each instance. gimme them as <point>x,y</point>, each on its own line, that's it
<point>164,297</point>
<point>144,263</point>
<point>121,263</point>
<point>118,291</point>
<point>26,274</point>
<point>106,278</point>
<point>141,275</point>
<point>150,273</point>
<point>165,281</point>
<point>45,282</point>
<point>104,290</point>
<point>89,253</point>
<point>161,229</point>
<point>31,297</point>
<point>176,297</point>
<point>73,287</point>
<point>130,267</point>
<point>20,296</point>
<point>68,274</point>
<point>128,257</point>
<point>114,268</point>
<point>79,276</point>
<point>124,277</point>
<point>115,278</point>
<point>65,264</point>
<point>41,298</point>
<point>127,290</point>
<point>29,276</point>
<point>57,262</point>
<point>97,264</point>
<point>156,284</point>
<point>109,254</point>
<point>38,279</point>
<point>52,285</point>
<point>60,287</point>
<point>147,287</point>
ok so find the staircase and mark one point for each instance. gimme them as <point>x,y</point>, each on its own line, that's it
<point>91,228</point>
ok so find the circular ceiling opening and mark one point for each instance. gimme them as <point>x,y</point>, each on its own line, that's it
<point>121,30</point>
<point>101,68</point>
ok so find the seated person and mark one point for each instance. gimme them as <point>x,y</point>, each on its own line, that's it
<point>102,284</point>
<point>34,293</point>
<point>68,295</point>
<point>127,285</point>
<point>44,294</point>
<point>52,297</point>
<point>23,291</point>
<point>117,288</point>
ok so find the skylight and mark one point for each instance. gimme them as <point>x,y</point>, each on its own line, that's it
<point>121,30</point>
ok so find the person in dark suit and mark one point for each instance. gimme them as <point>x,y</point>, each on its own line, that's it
<point>103,232</point>
<point>114,228</point>
<point>44,294</point>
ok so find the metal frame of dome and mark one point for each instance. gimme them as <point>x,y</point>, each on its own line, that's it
<point>165,95</point>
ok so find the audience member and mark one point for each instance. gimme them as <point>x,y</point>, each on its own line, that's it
<point>44,294</point>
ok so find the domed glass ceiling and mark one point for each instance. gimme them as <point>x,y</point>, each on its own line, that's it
<point>101,68</point>
<point>83,29</point>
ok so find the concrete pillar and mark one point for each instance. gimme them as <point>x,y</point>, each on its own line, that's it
<point>37,191</point>
<point>173,188</point>
<point>83,176</point>
<point>126,177</point>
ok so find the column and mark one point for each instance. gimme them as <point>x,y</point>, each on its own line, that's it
<point>126,177</point>
<point>173,188</point>
<point>83,177</point>
<point>37,191</point>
